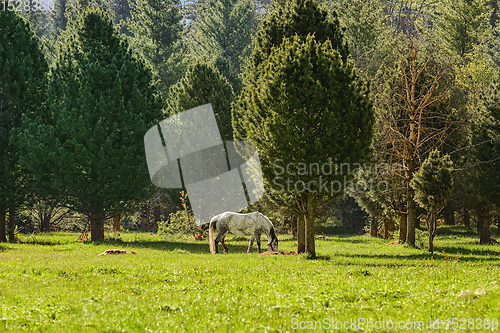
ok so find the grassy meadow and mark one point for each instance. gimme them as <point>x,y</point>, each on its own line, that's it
<point>52,283</point>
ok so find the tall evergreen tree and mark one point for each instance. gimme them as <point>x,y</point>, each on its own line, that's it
<point>222,34</point>
<point>101,103</point>
<point>310,107</point>
<point>433,184</point>
<point>157,28</point>
<point>366,31</point>
<point>22,91</point>
<point>485,170</point>
<point>59,19</point>
<point>301,18</point>
<point>463,23</point>
<point>201,85</point>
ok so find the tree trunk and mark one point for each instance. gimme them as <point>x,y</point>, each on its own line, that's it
<point>417,220</point>
<point>310,230</point>
<point>411,205</point>
<point>11,227</point>
<point>388,227</point>
<point>466,218</point>
<point>301,233</point>
<point>402,228</point>
<point>483,223</point>
<point>373,226</point>
<point>144,218</point>
<point>293,223</point>
<point>156,216</point>
<point>431,229</point>
<point>3,236</point>
<point>498,225</point>
<point>96,227</point>
<point>116,222</point>
<point>44,222</point>
<point>449,216</point>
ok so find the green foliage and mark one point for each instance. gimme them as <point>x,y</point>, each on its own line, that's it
<point>181,222</point>
<point>22,91</point>
<point>433,183</point>
<point>366,31</point>
<point>101,102</point>
<point>157,27</point>
<point>222,34</point>
<point>301,18</point>
<point>486,149</point>
<point>463,24</point>
<point>203,84</point>
<point>59,19</point>
<point>306,106</point>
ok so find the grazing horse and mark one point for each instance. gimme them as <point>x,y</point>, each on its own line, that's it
<point>253,224</point>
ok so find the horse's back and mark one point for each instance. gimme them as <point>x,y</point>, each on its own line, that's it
<point>240,224</point>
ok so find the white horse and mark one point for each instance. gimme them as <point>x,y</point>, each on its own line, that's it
<point>252,224</point>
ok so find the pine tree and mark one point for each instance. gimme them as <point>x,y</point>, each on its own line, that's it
<point>59,19</point>
<point>309,107</point>
<point>366,31</point>
<point>462,24</point>
<point>201,85</point>
<point>157,27</point>
<point>485,175</point>
<point>101,103</point>
<point>222,34</point>
<point>22,91</point>
<point>301,18</point>
<point>433,184</point>
<point>121,9</point>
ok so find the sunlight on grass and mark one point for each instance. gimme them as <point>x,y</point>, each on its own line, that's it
<point>52,283</point>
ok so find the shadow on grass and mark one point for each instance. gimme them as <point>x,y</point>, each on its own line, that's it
<point>173,245</point>
<point>383,258</point>
<point>457,250</point>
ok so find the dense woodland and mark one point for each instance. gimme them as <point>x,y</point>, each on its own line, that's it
<point>406,89</point>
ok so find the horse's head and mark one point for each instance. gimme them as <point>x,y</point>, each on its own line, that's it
<point>272,244</point>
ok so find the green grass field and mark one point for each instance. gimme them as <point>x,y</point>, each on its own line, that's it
<point>51,283</point>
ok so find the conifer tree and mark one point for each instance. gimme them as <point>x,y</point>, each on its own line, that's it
<point>59,19</point>
<point>222,34</point>
<point>463,24</point>
<point>301,18</point>
<point>201,85</point>
<point>101,102</point>
<point>433,184</point>
<point>485,174</point>
<point>310,107</point>
<point>156,26</point>
<point>22,91</point>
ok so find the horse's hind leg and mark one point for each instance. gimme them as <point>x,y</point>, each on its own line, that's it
<point>251,243</point>
<point>219,238</point>
<point>258,242</point>
<point>226,250</point>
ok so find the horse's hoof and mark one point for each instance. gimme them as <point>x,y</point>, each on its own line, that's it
<point>226,252</point>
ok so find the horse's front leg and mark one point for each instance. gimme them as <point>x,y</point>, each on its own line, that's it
<point>251,243</point>
<point>226,250</point>
<point>257,237</point>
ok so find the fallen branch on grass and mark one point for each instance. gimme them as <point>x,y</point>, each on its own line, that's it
<point>116,252</point>
<point>286,253</point>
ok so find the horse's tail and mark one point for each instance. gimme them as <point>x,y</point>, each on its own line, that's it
<point>211,234</point>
